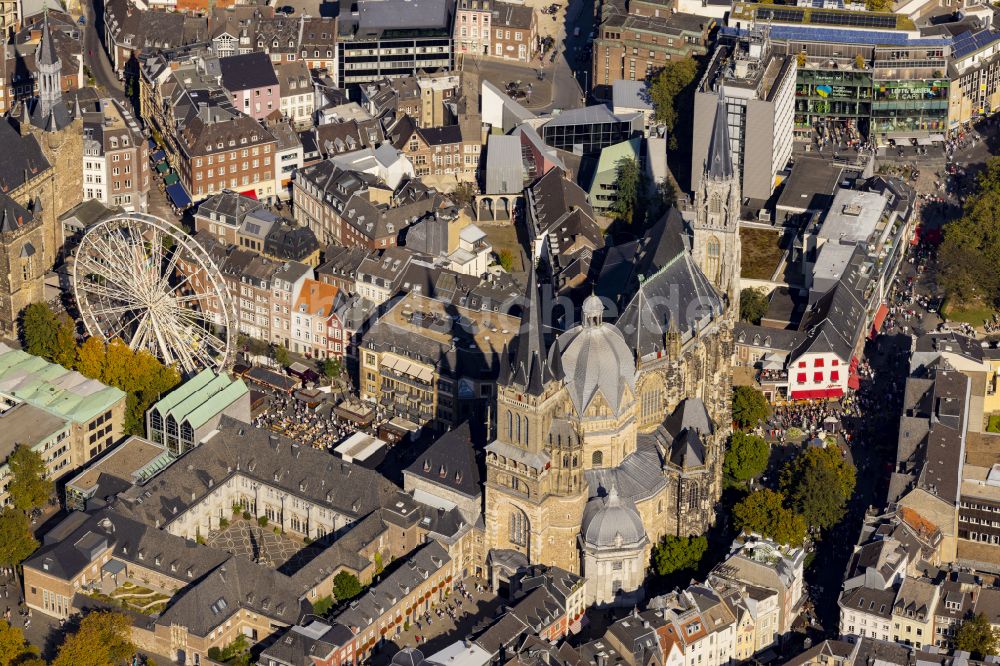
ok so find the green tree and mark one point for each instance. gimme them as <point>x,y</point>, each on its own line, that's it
<point>764,512</point>
<point>818,483</point>
<point>64,351</point>
<point>506,259</point>
<point>29,487</point>
<point>38,330</point>
<point>674,553</point>
<point>970,250</point>
<point>281,355</point>
<point>628,186</point>
<point>16,539</point>
<point>753,305</point>
<point>13,648</point>
<point>323,605</point>
<point>977,636</point>
<point>346,586</point>
<point>104,638</point>
<point>672,93</point>
<point>331,367</point>
<point>878,5</point>
<point>464,194</point>
<point>90,358</point>
<point>746,457</point>
<point>749,406</point>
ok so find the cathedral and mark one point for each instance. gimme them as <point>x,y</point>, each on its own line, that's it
<point>611,435</point>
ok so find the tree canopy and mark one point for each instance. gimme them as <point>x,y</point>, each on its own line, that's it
<point>970,252</point>
<point>672,93</point>
<point>137,372</point>
<point>628,183</point>
<point>753,305</point>
<point>103,638</point>
<point>746,457</point>
<point>16,539</point>
<point>764,512</point>
<point>281,355</point>
<point>749,406</point>
<point>331,367</point>
<point>977,636</point>
<point>47,334</point>
<point>818,483</point>
<point>346,586</point>
<point>506,259</point>
<point>675,553</point>
<point>13,648</point>
<point>29,487</point>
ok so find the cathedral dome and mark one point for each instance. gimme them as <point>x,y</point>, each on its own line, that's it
<point>595,357</point>
<point>611,522</point>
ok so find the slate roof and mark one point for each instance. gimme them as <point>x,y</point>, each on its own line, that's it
<point>870,601</point>
<point>638,477</point>
<point>23,158</point>
<point>720,155</point>
<point>247,71</point>
<point>658,287</point>
<point>382,596</point>
<point>440,136</point>
<point>450,462</point>
<point>81,536</point>
<point>274,459</point>
<point>299,645</point>
<point>13,216</point>
<point>236,584</point>
<point>554,197</point>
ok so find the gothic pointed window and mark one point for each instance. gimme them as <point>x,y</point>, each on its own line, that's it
<point>518,527</point>
<point>712,253</point>
<point>715,204</point>
<point>694,497</point>
<point>597,459</point>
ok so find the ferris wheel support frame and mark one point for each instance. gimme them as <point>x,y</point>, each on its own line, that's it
<point>156,310</point>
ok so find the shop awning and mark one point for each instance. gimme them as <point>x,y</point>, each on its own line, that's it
<point>250,194</point>
<point>880,315</point>
<point>170,179</point>
<point>818,394</point>
<point>853,381</point>
<point>163,167</point>
<point>178,196</point>
<point>158,156</point>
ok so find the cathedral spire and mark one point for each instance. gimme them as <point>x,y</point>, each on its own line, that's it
<point>49,72</point>
<point>530,367</point>
<point>720,158</point>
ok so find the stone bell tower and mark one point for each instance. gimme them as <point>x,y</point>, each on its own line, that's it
<point>716,226</point>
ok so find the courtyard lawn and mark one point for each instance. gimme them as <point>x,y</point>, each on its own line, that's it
<point>762,252</point>
<point>969,313</point>
<point>504,237</point>
<point>993,425</point>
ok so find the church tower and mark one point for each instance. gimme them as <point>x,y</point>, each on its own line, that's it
<point>59,131</point>
<point>535,487</point>
<point>716,225</point>
<point>49,73</point>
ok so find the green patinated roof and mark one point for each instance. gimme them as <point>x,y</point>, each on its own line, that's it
<point>168,402</point>
<point>52,387</point>
<point>202,397</point>
<point>217,403</point>
<point>610,155</point>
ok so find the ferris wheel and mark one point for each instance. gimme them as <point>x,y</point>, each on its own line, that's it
<point>140,279</point>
